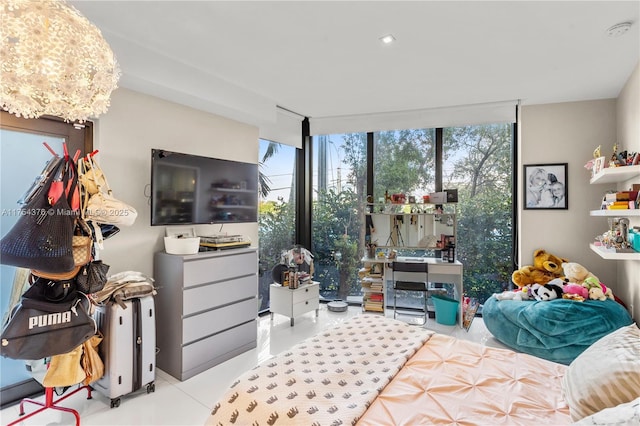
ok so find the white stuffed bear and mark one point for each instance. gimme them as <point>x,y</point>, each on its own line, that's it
<point>576,273</point>
<point>523,293</point>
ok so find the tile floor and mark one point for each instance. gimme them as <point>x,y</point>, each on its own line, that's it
<point>189,402</point>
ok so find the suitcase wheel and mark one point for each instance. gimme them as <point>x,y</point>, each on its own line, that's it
<point>151,387</point>
<point>115,403</point>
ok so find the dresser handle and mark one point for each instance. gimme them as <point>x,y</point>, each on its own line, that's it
<point>306,303</point>
<point>306,289</point>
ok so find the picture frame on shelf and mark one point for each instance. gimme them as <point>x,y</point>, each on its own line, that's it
<point>546,186</point>
<point>599,164</point>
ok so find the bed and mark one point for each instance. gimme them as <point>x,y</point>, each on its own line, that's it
<point>372,370</point>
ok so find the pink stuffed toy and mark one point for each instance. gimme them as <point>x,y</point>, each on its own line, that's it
<point>575,289</point>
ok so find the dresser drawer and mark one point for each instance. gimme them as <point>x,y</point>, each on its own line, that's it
<point>197,299</point>
<point>216,320</point>
<point>305,306</point>
<point>206,353</point>
<point>306,293</point>
<point>219,268</point>
<point>452,269</point>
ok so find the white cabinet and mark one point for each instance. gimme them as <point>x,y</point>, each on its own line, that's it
<point>613,175</point>
<point>207,309</point>
<point>294,302</point>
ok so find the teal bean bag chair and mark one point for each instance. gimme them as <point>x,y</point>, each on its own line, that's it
<point>558,330</point>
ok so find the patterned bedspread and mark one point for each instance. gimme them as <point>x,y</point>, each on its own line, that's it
<point>329,379</point>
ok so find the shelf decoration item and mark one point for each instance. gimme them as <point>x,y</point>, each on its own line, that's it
<point>299,261</point>
<point>181,241</point>
<point>81,70</point>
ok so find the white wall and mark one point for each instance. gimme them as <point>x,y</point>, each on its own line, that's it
<point>567,133</point>
<point>628,126</point>
<point>125,135</point>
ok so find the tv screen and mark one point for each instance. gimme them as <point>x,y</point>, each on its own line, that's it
<point>190,189</point>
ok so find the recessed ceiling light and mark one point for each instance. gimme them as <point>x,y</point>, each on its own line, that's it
<point>619,29</point>
<point>387,39</point>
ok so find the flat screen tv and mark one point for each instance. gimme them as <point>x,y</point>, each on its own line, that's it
<point>191,189</point>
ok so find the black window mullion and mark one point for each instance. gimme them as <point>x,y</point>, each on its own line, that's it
<point>439,156</point>
<point>304,187</point>
<point>370,148</point>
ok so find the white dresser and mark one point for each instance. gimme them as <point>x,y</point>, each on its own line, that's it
<point>206,308</point>
<point>294,302</point>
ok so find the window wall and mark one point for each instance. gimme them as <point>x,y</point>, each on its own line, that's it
<point>276,211</point>
<point>339,185</point>
<point>475,160</point>
<point>478,160</point>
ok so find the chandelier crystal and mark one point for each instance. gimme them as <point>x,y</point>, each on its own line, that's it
<point>54,62</point>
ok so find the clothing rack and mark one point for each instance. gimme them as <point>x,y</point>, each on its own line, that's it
<point>51,404</point>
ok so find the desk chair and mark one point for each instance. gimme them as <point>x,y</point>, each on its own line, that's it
<point>410,276</point>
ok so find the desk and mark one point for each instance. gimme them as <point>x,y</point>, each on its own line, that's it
<point>441,272</point>
<point>438,272</point>
<point>294,302</point>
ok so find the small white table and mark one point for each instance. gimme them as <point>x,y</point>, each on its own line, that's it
<point>294,302</point>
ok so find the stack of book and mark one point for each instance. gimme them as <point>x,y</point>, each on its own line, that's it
<point>372,288</point>
<point>363,272</point>
<point>622,200</point>
<point>374,302</point>
<point>372,283</point>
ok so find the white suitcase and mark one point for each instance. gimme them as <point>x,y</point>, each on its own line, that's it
<point>128,349</point>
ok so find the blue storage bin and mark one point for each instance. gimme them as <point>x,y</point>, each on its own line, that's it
<point>446,309</point>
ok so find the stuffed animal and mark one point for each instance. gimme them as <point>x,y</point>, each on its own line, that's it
<point>522,293</point>
<point>597,290</point>
<point>546,292</point>
<point>571,291</point>
<point>575,292</point>
<point>576,273</point>
<point>546,267</point>
<point>548,262</point>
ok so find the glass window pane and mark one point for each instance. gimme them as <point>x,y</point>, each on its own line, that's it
<point>478,162</point>
<point>277,210</point>
<point>404,162</point>
<point>16,176</point>
<point>339,184</point>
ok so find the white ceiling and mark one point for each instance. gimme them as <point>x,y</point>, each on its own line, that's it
<point>324,58</point>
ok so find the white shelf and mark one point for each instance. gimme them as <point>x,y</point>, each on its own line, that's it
<point>612,255</point>
<point>616,174</point>
<point>613,175</point>
<point>616,213</point>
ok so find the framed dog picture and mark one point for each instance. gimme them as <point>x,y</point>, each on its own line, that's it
<point>545,186</point>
